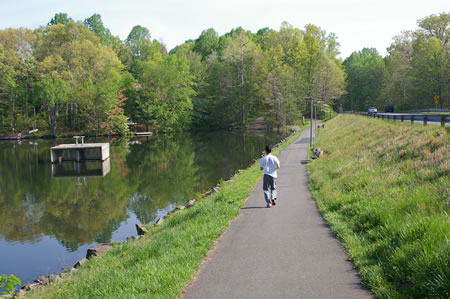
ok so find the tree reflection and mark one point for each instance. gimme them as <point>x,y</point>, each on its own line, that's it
<point>144,178</point>
<point>165,172</point>
<point>32,203</point>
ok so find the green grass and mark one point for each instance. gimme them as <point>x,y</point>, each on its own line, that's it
<point>167,258</point>
<point>384,189</point>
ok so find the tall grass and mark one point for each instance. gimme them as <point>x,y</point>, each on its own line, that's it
<point>160,264</point>
<point>384,189</point>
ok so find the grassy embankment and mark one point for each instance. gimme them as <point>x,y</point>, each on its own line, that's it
<point>384,189</point>
<point>161,263</point>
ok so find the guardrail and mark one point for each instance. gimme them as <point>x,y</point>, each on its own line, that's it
<point>443,119</point>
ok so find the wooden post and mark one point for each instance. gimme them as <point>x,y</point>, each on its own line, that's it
<point>443,120</point>
<point>402,118</point>
<point>425,120</point>
<point>412,119</point>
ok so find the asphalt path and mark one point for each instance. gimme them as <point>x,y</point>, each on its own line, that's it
<point>286,251</point>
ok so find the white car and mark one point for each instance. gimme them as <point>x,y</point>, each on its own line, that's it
<point>372,110</point>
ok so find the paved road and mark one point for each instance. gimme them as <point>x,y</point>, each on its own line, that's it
<point>286,251</point>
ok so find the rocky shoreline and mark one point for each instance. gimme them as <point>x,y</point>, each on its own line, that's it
<point>91,253</point>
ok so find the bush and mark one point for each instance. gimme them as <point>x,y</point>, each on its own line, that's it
<point>8,284</point>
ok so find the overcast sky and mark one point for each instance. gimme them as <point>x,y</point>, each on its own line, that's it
<point>357,23</point>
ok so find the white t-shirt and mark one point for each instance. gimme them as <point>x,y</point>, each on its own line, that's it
<point>269,163</point>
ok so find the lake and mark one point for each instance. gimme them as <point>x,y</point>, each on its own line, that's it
<point>51,214</point>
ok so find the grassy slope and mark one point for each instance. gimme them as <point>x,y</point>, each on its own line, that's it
<point>384,189</point>
<point>160,264</point>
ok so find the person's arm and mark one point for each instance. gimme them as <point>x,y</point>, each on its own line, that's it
<point>260,164</point>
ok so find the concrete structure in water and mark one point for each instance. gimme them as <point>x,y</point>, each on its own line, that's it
<point>88,168</point>
<point>79,152</point>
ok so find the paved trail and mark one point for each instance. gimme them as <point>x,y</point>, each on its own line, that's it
<point>286,251</point>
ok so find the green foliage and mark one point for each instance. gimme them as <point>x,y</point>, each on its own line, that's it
<point>365,71</point>
<point>416,70</point>
<point>383,188</point>
<point>207,43</point>
<point>60,18</point>
<point>70,73</point>
<point>8,284</point>
<point>167,85</point>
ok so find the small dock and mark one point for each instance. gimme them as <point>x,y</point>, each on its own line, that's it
<point>79,151</point>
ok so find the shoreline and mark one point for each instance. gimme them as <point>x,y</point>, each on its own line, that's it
<point>154,229</point>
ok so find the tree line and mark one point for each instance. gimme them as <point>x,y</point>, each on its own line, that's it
<point>76,76</point>
<point>414,72</point>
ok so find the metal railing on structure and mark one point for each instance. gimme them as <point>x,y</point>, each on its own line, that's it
<point>442,119</point>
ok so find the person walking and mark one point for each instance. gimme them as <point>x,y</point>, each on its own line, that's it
<point>270,163</point>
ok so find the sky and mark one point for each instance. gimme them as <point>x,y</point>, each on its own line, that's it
<point>358,24</point>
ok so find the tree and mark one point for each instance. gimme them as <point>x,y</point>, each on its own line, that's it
<point>398,86</point>
<point>365,77</point>
<point>53,94</point>
<point>91,72</point>
<point>329,80</point>
<point>431,58</point>
<point>139,48</point>
<point>437,26</point>
<point>239,53</point>
<point>206,43</point>
<point>60,18</point>
<point>417,66</point>
<point>16,63</point>
<point>95,24</point>
<point>167,100</point>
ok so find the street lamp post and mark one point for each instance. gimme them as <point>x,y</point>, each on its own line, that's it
<point>315,116</point>
<point>309,99</point>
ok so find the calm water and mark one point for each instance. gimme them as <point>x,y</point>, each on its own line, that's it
<point>50,215</point>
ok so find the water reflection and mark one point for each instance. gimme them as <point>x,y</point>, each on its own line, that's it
<point>81,169</point>
<point>89,203</point>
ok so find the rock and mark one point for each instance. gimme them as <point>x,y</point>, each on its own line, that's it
<point>80,262</point>
<point>30,286</point>
<point>72,270</point>
<point>160,221</point>
<point>20,294</point>
<point>131,238</point>
<point>190,203</point>
<point>69,270</point>
<point>215,190</point>
<point>99,251</point>
<point>181,207</point>
<point>141,230</point>
<point>42,280</point>
<point>54,278</point>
